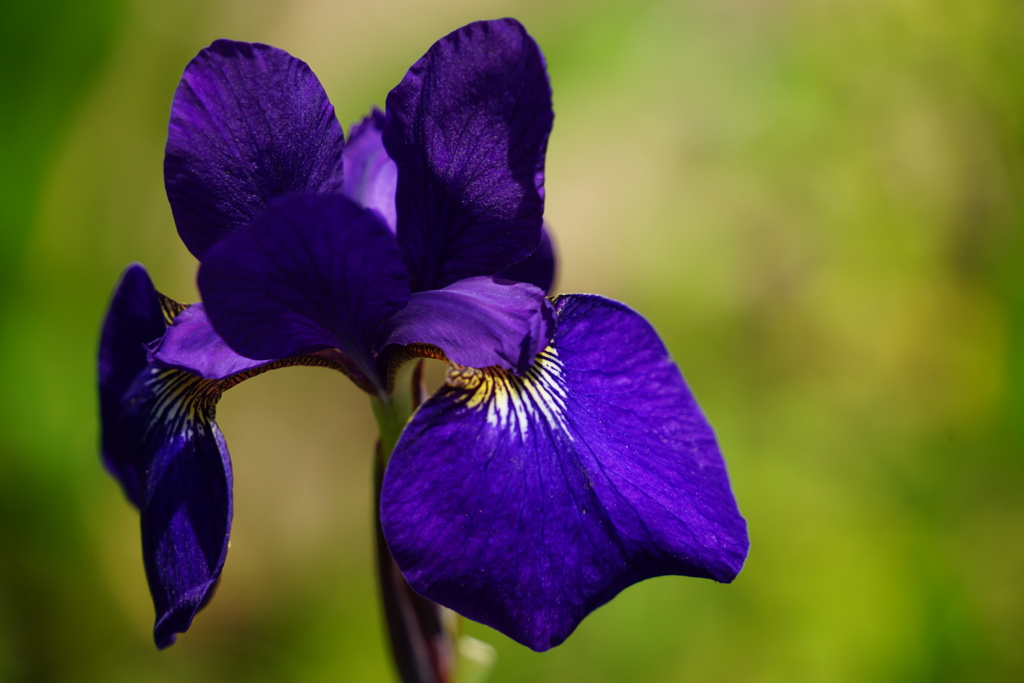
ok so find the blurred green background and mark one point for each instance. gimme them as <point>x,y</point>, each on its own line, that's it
<point>818,204</point>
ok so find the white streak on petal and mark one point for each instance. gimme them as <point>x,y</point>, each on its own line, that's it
<point>516,403</point>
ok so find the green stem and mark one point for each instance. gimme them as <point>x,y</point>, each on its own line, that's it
<point>391,413</point>
<point>422,643</point>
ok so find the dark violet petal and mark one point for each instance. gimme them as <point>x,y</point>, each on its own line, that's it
<point>135,317</point>
<point>468,129</point>
<point>538,268</point>
<point>526,503</point>
<point>191,344</point>
<point>312,272</point>
<point>160,442</point>
<point>186,500</point>
<point>478,322</point>
<point>185,528</point>
<point>370,175</point>
<point>249,123</point>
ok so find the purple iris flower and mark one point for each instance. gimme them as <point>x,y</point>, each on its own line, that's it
<point>563,459</point>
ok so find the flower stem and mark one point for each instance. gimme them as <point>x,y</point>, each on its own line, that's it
<point>421,633</point>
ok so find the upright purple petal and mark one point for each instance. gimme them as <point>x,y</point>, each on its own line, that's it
<point>478,322</point>
<point>527,502</point>
<point>538,268</point>
<point>468,129</point>
<point>249,123</point>
<point>370,174</point>
<point>311,273</point>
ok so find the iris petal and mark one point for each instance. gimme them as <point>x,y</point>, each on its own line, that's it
<point>160,442</point>
<point>311,273</point>
<point>538,268</point>
<point>478,322</point>
<point>137,316</point>
<point>186,506</point>
<point>467,128</point>
<point>190,344</point>
<point>249,123</point>
<point>370,175</point>
<point>527,502</point>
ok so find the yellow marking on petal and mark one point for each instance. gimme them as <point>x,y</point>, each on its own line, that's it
<point>403,354</point>
<point>170,308</point>
<point>516,402</point>
<point>462,377</point>
<point>183,401</point>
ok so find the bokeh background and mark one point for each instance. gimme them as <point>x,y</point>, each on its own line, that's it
<point>818,204</point>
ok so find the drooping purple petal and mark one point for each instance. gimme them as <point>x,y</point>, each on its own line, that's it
<point>526,503</point>
<point>310,273</point>
<point>370,174</point>
<point>478,322</point>
<point>249,123</point>
<point>186,504</point>
<point>467,128</point>
<point>136,316</point>
<point>538,268</point>
<point>160,442</point>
